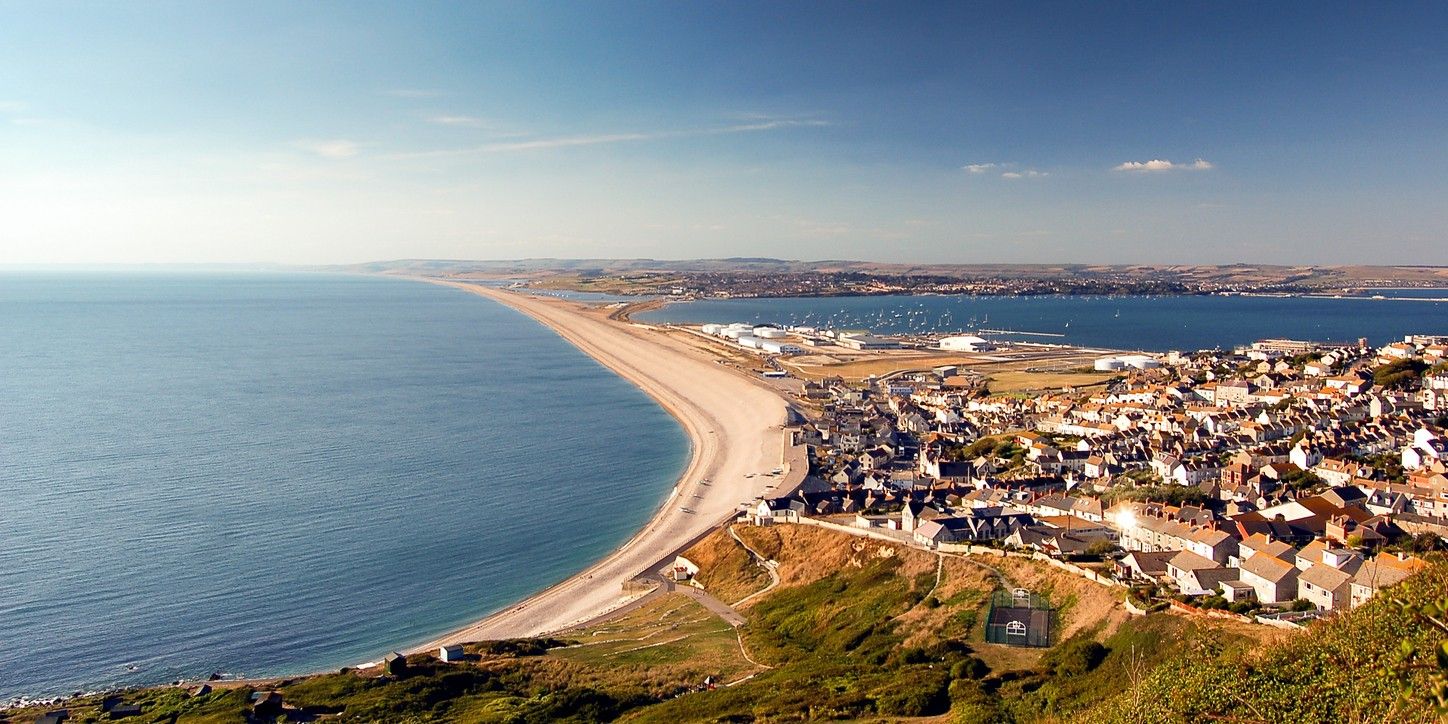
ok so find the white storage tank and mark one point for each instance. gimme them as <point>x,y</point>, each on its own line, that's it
<point>1140,361</point>
<point>749,341</point>
<point>712,328</point>
<point>732,332</point>
<point>768,332</point>
<point>1109,364</point>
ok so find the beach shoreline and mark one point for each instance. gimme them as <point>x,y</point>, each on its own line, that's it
<point>735,430</point>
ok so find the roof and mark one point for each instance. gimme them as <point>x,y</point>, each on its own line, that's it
<point>1375,575</point>
<point>1151,563</point>
<point>1325,577</point>
<point>1189,561</point>
<point>1269,568</point>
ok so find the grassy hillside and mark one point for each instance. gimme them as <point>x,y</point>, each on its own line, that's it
<point>872,631</point>
<point>1350,669</point>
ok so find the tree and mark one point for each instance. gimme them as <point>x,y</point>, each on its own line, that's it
<point>1399,374</point>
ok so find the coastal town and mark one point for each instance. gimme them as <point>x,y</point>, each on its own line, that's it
<point>1281,481</point>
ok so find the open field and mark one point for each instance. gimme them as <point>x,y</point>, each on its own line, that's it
<point>1023,381</point>
<point>670,632</point>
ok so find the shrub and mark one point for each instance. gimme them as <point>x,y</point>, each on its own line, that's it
<point>925,696</point>
<point>1075,657</point>
<point>971,668</point>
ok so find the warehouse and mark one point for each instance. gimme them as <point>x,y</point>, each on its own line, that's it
<point>966,343</point>
<point>866,341</point>
<point>776,347</point>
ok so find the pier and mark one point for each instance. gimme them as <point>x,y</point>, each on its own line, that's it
<point>1012,331</point>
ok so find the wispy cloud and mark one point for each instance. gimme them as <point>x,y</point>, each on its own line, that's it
<point>413,92</point>
<point>8,107</point>
<point>337,148</point>
<point>456,120</point>
<point>598,139</point>
<point>1007,170</point>
<point>1158,164</point>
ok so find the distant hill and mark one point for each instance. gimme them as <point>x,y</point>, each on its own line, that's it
<point>1192,275</point>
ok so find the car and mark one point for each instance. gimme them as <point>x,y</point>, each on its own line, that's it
<point>688,510</point>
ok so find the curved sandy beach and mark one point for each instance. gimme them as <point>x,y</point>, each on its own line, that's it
<point>733,424</point>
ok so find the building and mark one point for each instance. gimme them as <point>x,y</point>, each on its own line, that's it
<point>864,341</point>
<point>450,654</point>
<point>394,664</point>
<point>1273,579</point>
<point>966,343</point>
<point>776,347</point>
<point>1195,575</point>
<point>1326,587</point>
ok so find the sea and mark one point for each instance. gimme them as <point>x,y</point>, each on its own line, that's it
<point>261,474</point>
<point>1147,323</point>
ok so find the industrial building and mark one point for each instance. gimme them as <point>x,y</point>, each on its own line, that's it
<point>776,347</point>
<point>966,343</point>
<point>860,341</point>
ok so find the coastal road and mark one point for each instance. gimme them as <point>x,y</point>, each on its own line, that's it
<point>732,423</point>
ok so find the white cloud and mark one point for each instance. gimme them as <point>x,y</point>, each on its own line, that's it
<point>14,107</point>
<point>454,120</point>
<point>608,138</point>
<point>414,93</point>
<point>1008,170</point>
<point>1158,164</point>
<point>337,148</point>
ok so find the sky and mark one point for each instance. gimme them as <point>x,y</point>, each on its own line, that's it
<point>341,132</point>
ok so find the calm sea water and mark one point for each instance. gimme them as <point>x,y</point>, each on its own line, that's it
<point>1136,322</point>
<point>277,473</point>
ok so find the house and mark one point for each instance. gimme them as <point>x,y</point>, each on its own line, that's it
<point>1195,575</point>
<point>268,704</point>
<point>914,513</point>
<point>1326,587</point>
<point>976,524</point>
<point>450,654</point>
<point>393,664</point>
<point>769,510</point>
<point>1272,578</point>
<point>1380,573</point>
<point>1235,591</point>
<point>1149,567</point>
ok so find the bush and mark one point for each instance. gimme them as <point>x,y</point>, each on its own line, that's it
<point>1212,603</point>
<point>1075,657</point>
<point>971,668</point>
<point>1301,604</point>
<point>925,696</point>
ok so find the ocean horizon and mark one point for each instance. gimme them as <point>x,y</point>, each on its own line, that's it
<point>275,473</point>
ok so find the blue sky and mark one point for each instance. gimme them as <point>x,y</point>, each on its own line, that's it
<point>987,132</point>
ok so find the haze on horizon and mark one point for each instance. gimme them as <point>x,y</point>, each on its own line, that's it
<point>339,132</point>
